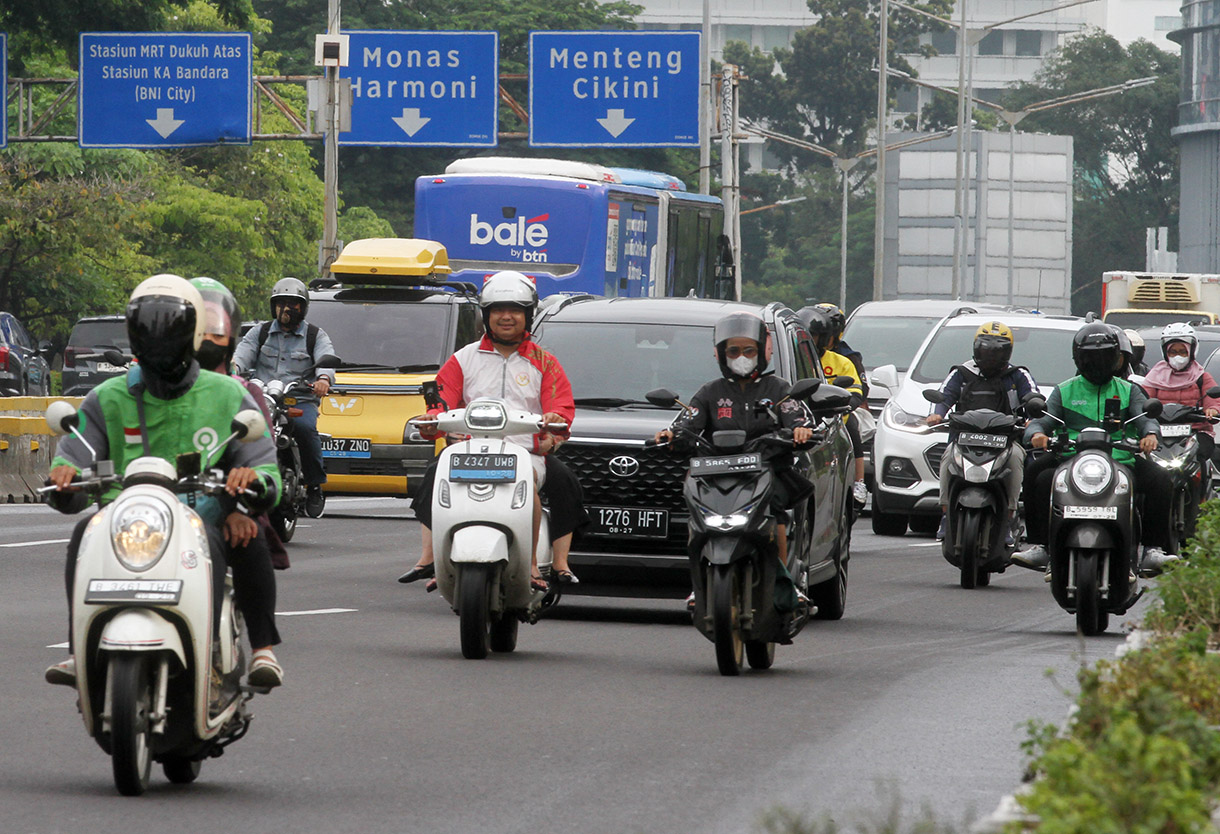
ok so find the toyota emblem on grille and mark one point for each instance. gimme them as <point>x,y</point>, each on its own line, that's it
<point>624,466</point>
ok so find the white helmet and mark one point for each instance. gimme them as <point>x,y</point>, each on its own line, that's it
<point>1179,331</point>
<point>509,287</point>
<point>165,324</point>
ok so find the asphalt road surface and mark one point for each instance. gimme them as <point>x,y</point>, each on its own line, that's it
<point>609,717</point>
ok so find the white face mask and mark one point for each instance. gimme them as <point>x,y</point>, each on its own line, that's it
<point>743,365</point>
<point>1179,362</point>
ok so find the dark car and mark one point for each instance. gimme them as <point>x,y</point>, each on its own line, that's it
<point>23,365</point>
<point>84,365</point>
<point>614,351</point>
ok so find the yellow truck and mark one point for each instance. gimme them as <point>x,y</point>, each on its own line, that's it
<point>394,317</point>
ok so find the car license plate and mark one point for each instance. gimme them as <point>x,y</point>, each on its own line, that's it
<point>483,468</point>
<point>1094,513</point>
<point>107,368</point>
<point>629,521</point>
<point>346,447</point>
<point>1176,430</point>
<point>727,465</point>
<point>160,591</point>
<point>987,441</point>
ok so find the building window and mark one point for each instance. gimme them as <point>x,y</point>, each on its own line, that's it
<point>991,44</point>
<point>738,33</point>
<point>1028,42</point>
<point>945,43</point>
<point>776,37</point>
<point>907,99</point>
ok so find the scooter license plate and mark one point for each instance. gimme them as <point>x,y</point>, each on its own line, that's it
<point>629,521</point>
<point>987,441</point>
<point>483,468</point>
<point>1176,430</point>
<point>1093,513</point>
<point>151,591</point>
<point>729,464</point>
<point>346,447</point>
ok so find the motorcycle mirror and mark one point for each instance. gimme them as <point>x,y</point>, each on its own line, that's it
<point>248,425</point>
<point>932,395</point>
<point>804,388</point>
<point>1214,391</point>
<point>662,398</point>
<point>829,399</point>
<point>1035,406</point>
<point>188,465</point>
<point>62,417</point>
<point>844,382</point>
<point>1153,407</point>
<point>116,357</point>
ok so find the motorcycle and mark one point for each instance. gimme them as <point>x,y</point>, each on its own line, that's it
<point>977,524</point>
<point>1094,527</point>
<point>732,546</point>
<point>153,682</point>
<point>1178,455</point>
<point>482,520</point>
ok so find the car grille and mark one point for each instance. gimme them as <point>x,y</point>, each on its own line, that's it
<point>933,454</point>
<point>657,484</point>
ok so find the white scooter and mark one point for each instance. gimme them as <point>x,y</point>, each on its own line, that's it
<point>482,524</point>
<point>152,683</point>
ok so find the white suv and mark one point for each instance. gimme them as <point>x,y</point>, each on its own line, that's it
<point>906,453</point>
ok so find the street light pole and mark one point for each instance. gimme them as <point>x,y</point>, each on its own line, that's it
<point>883,60</point>
<point>705,101</point>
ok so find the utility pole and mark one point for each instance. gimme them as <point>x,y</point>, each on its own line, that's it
<point>730,190</point>
<point>705,101</point>
<point>330,161</point>
<point>883,58</point>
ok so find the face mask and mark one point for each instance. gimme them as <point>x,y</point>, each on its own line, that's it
<point>743,365</point>
<point>1179,362</point>
<point>211,355</point>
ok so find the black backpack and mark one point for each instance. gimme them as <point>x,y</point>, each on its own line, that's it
<point>980,392</point>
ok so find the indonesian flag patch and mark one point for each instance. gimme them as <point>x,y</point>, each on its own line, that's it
<point>131,435</point>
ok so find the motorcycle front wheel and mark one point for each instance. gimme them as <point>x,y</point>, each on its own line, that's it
<point>474,598</point>
<point>130,731</point>
<point>726,619</point>
<point>181,771</point>
<point>1090,618</point>
<point>971,539</point>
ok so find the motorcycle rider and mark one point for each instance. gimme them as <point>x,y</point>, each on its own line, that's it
<point>508,302</point>
<point>736,401</point>
<point>287,348</point>
<point>988,380</point>
<point>1136,366</point>
<point>1179,378</point>
<point>166,406</point>
<point>838,321</point>
<point>824,327</point>
<point>1082,402</point>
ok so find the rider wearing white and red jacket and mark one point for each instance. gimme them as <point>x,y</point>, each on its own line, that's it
<point>506,364</point>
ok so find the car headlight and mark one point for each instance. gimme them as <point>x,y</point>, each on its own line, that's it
<point>1091,474</point>
<point>486,416</point>
<point>896,418</point>
<point>140,529</point>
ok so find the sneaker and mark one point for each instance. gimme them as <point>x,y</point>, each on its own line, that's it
<point>62,673</point>
<point>265,670</point>
<point>1154,559</point>
<point>859,492</point>
<point>940,531</point>
<point>1033,557</point>
<point>315,501</point>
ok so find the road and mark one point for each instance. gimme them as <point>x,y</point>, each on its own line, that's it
<point>610,717</point>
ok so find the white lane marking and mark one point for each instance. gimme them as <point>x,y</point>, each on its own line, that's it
<point>925,544</point>
<point>62,645</point>
<point>32,544</point>
<point>315,611</point>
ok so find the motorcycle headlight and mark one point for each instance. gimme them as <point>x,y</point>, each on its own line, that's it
<point>896,418</point>
<point>725,523</point>
<point>140,529</point>
<point>487,416</point>
<point>1091,474</point>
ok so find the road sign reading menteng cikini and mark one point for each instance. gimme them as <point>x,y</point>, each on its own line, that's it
<point>628,89</point>
<point>163,89</point>
<point>423,88</point>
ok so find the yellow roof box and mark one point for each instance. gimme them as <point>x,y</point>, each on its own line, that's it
<point>391,260</point>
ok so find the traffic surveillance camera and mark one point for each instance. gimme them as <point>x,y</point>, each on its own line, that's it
<point>330,51</point>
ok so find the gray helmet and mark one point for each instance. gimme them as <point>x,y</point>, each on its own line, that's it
<point>740,325</point>
<point>287,289</point>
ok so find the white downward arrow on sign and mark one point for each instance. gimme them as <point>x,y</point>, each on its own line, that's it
<point>165,123</point>
<point>615,122</point>
<point>410,121</point>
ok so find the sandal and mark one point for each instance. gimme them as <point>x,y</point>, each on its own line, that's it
<point>566,577</point>
<point>419,572</point>
<point>537,583</point>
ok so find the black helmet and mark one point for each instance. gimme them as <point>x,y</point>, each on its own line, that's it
<point>1096,352</point>
<point>290,289</point>
<point>821,326</point>
<point>838,320</point>
<point>992,347</point>
<point>740,325</point>
<point>165,326</point>
<point>223,317</point>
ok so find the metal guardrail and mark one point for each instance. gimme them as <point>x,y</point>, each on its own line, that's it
<point>26,446</point>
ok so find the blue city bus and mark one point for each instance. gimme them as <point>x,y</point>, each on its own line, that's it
<point>576,227</point>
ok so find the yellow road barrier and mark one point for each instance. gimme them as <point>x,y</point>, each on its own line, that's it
<point>26,446</point>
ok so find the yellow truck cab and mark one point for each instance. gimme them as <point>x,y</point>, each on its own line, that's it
<point>394,318</point>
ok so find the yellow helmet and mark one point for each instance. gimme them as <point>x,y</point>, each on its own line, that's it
<point>992,347</point>
<point>994,328</point>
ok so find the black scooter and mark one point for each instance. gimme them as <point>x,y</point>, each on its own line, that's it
<point>977,525</point>
<point>1094,526</point>
<point>1178,455</point>
<point>732,547</point>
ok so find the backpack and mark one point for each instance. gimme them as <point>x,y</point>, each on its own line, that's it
<point>311,337</point>
<point>980,392</point>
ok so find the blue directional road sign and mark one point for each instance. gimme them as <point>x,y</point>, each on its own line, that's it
<point>163,89</point>
<point>423,88</point>
<point>629,89</point>
<point>3,86</point>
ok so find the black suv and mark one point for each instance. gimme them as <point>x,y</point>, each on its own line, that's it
<point>23,366</point>
<point>84,365</point>
<point>616,350</point>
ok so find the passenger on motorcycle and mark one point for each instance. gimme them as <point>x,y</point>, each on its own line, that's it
<point>1084,401</point>
<point>824,327</point>
<point>1179,378</point>
<point>165,406</point>
<point>480,369</point>
<point>741,399</point>
<point>838,321</point>
<point>988,380</point>
<point>287,348</point>
<point>1135,363</point>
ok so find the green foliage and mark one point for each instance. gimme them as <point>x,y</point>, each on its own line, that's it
<point>1189,591</point>
<point>360,222</point>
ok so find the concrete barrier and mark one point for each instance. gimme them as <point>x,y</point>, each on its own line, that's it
<point>26,446</point>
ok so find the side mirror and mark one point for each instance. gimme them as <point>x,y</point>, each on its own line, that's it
<point>1035,406</point>
<point>1214,391</point>
<point>248,425</point>
<point>933,395</point>
<point>844,382</point>
<point>886,376</point>
<point>830,398</point>
<point>116,357</point>
<point>45,347</point>
<point>662,398</point>
<point>804,387</point>
<point>62,417</point>
<point>1153,407</point>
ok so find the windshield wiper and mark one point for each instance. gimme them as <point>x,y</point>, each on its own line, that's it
<point>375,367</point>
<point>608,402</point>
